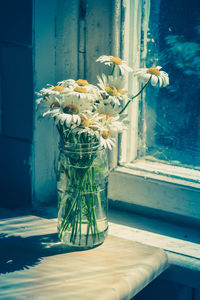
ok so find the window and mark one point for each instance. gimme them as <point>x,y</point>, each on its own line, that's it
<point>160,154</point>
<point>172,129</point>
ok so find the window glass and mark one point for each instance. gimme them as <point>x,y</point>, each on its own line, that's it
<point>170,122</point>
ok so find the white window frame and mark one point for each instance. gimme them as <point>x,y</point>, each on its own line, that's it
<point>168,190</point>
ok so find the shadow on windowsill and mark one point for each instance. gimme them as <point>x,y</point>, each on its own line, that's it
<point>18,253</point>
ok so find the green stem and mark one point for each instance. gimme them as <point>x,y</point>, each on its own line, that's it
<point>75,225</point>
<point>113,69</point>
<point>65,222</point>
<point>123,109</point>
<point>91,216</point>
<point>94,192</point>
<point>80,220</point>
<point>88,231</point>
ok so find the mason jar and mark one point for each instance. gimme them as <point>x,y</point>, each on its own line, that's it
<point>82,181</point>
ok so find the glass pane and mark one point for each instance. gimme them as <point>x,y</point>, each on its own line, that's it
<point>172,114</point>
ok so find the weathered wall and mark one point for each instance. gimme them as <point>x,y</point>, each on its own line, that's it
<point>83,33</point>
<point>45,135</point>
<point>69,37</point>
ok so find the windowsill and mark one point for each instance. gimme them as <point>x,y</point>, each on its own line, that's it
<point>180,242</point>
<point>162,211</point>
<point>36,265</point>
<point>174,238</point>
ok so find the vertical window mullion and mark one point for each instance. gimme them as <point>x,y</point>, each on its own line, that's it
<point>133,26</point>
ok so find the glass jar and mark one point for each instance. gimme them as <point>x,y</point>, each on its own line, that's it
<point>82,195</point>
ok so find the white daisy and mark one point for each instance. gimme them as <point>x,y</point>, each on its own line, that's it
<point>64,103</point>
<point>112,123</point>
<point>91,120</point>
<point>81,89</point>
<point>73,104</point>
<point>102,126</point>
<point>52,90</point>
<point>115,61</point>
<point>112,90</point>
<point>71,108</point>
<point>111,109</point>
<point>157,77</point>
<point>89,128</point>
<point>106,141</point>
<point>109,127</point>
<point>67,83</point>
<point>119,82</point>
<point>49,102</point>
<point>67,119</point>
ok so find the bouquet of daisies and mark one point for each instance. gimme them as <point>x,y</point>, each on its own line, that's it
<point>88,117</point>
<point>84,112</point>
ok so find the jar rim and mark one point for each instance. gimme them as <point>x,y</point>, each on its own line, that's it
<point>80,147</point>
<point>82,144</point>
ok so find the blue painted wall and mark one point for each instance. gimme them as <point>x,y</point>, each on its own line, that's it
<point>16,103</point>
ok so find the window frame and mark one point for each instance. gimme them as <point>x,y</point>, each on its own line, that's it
<point>146,186</point>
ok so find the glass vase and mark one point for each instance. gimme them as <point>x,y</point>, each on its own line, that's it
<point>82,195</point>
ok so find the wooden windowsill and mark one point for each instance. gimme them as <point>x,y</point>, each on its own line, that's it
<point>37,265</point>
<point>180,242</point>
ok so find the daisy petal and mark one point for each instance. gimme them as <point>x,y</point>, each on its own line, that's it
<point>109,145</point>
<point>154,80</point>
<point>104,79</point>
<point>161,81</point>
<point>145,77</point>
<point>68,119</point>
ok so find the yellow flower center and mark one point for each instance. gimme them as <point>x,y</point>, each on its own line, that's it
<point>80,90</point>
<point>71,109</point>
<point>121,92</point>
<point>82,82</point>
<point>116,60</point>
<point>106,115</point>
<point>153,71</point>
<point>58,88</point>
<point>55,104</point>
<point>111,90</point>
<point>85,122</point>
<point>105,134</point>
